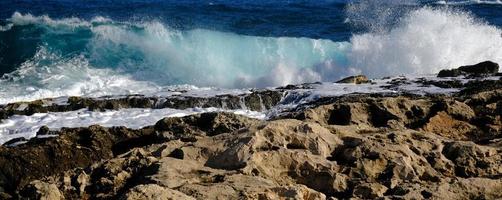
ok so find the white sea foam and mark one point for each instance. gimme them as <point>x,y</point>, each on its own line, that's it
<point>426,41</point>
<point>411,84</point>
<point>146,58</point>
<point>27,126</point>
<point>49,75</point>
<point>73,22</point>
<point>470,2</point>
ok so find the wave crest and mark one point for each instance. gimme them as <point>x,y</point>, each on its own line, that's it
<point>426,41</point>
<point>104,57</point>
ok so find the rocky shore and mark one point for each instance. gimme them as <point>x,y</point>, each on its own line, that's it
<point>363,146</point>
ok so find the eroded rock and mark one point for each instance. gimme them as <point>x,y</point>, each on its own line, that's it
<point>359,79</point>
<point>356,146</point>
<point>43,191</point>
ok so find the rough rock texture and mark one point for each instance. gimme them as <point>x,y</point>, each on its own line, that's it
<point>256,101</point>
<point>355,146</point>
<point>483,68</point>
<point>359,79</point>
<point>74,148</point>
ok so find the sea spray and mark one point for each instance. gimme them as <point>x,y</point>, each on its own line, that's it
<point>425,41</point>
<point>98,57</point>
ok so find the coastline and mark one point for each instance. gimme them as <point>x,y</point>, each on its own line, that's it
<point>400,144</point>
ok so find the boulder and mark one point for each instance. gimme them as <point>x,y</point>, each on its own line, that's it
<point>450,73</point>
<point>369,190</point>
<point>203,124</point>
<point>483,68</point>
<point>359,79</point>
<point>486,67</point>
<point>44,130</point>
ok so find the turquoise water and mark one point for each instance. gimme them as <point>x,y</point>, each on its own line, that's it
<point>70,47</point>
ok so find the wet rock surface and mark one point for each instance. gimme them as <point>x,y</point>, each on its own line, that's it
<point>480,69</point>
<point>361,146</point>
<point>255,101</point>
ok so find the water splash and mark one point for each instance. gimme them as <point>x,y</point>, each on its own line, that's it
<point>106,57</point>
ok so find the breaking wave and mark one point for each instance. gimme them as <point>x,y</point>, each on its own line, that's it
<point>60,57</point>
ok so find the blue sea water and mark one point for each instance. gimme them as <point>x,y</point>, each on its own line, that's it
<point>77,47</point>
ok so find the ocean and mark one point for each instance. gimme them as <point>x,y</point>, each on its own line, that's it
<point>240,99</point>
<point>54,48</point>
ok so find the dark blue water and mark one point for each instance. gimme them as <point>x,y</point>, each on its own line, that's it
<point>45,43</point>
<point>316,19</point>
<point>313,19</point>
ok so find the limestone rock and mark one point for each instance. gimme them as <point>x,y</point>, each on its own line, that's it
<point>472,160</point>
<point>369,190</point>
<point>359,79</point>
<point>361,146</point>
<point>457,109</point>
<point>42,191</point>
<point>79,147</point>
<point>204,124</point>
<point>154,192</point>
<point>444,125</point>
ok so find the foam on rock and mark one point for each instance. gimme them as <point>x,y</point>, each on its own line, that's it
<point>396,145</point>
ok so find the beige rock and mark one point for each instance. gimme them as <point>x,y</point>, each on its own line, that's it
<point>195,180</point>
<point>473,160</point>
<point>82,181</point>
<point>154,192</point>
<point>42,191</point>
<point>277,135</point>
<point>359,79</point>
<point>357,146</point>
<point>369,190</point>
<point>459,110</point>
<point>444,125</point>
<point>366,113</point>
<point>350,113</point>
<point>478,188</point>
<point>297,193</point>
<point>484,97</point>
